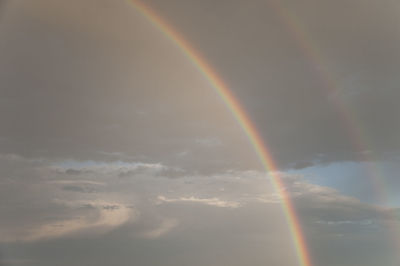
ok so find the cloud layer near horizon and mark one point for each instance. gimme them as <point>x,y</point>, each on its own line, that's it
<point>63,205</point>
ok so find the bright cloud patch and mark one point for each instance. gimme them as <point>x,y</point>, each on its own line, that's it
<point>207,201</point>
<point>94,217</point>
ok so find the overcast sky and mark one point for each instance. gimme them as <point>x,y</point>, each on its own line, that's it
<point>114,149</point>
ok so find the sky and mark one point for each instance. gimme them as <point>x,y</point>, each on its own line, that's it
<point>116,150</point>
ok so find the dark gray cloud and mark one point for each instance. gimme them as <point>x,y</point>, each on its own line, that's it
<point>81,189</point>
<point>109,96</point>
<point>302,77</point>
<point>3,7</point>
<point>73,172</point>
<point>120,90</point>
<point>302,165</point>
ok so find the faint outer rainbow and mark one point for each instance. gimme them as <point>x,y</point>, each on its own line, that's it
<point>351,122</point>
<point>243,119</point>
<point>348,117</point>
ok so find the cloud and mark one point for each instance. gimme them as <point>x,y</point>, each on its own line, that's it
<point>207,208</point>
<point>77,181</point>
<point>208,142</point>
<point>165,227</point>
<point>344,90</point>
<point>107,220</point>
<point>362,222</point>
<point>75,189</point>
<point>139,121</point>
<point>302,165</point>
<point>207,201</point>
<point>72,172</point>
<point>97,217</point>
<point>303,131</point>
<point>335,213</point>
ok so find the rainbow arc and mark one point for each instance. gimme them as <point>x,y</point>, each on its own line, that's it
<point>242,118</point>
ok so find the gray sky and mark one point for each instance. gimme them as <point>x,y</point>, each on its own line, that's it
<point>115,150</point>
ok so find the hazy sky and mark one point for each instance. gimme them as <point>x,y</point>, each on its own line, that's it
<point>115,150</point>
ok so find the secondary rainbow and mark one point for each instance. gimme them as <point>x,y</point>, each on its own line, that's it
<point>357,133</point>
<point>242,118</point>
<point>313,54</point>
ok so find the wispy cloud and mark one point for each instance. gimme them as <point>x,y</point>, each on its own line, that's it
<point>99,217</point>
<point>165,227</point>
<point>216,202</point>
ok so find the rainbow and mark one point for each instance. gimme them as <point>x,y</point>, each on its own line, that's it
<point>350,121</point>
<point>242,118</point>
<point>347,116</point>
<point>314,56</point>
